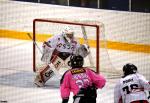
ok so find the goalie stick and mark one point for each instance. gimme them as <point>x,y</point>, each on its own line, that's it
<point>56,63</point>
<point>48,72</point>
<point>34,42</point>
<point>86,42</point>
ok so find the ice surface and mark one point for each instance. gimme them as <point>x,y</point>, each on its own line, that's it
<point>16,76</point>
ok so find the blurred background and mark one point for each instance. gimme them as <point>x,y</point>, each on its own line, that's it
<point>122,5</point>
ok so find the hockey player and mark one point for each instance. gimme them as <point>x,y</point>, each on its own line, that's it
<point>57,51</point>
<point>82,81</point>
<point>131,87</point>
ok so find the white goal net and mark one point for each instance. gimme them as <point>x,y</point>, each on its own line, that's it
<point>85,31</point>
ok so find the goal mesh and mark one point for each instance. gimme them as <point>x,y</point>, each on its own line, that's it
<point>98,59</point>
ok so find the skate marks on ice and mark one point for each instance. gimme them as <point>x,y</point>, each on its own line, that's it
<point>16,64</point>
<point>24,79</point>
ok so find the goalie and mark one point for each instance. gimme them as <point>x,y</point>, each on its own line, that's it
<point>56,53</point>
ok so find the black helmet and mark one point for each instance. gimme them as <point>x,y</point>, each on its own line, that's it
<point>76,61</point>
<point>129,69</point>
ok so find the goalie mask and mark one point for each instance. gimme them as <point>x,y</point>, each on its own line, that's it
<point>68,34</point>
<point>129,69</point>
<point>76,61</point>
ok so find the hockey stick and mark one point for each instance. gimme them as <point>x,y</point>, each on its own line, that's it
<point>35,43</point>
<point>56,70</point>
<point>52,68</point>
<point>86,42</point>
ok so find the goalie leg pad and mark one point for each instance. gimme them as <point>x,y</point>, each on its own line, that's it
<point>57,62</point>
<point>44,74</point>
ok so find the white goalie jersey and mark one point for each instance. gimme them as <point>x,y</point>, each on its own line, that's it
<point>131,88</point>
<point>58,44</point>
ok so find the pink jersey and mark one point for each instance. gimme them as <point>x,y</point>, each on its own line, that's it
<point>131,88</point>
<point>60,44</point>
<point>77,78</point>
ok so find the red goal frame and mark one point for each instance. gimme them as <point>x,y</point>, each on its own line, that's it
<point>71,23</point>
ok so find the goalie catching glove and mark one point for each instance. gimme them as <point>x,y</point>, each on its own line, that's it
<point>83,50</point>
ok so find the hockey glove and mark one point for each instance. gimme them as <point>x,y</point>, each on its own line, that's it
<point>83,50</point>
<point>65,100</point>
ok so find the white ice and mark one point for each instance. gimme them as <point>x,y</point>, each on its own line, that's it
<point>16,77</point>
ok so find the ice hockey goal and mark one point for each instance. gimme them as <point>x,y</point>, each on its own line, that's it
<point>86,31</point>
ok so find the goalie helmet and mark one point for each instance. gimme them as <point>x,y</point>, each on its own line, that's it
<point>129,69</point>
<point>68,33</point>
<point>76,61</point>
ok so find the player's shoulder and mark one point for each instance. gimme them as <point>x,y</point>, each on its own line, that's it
<point>89,69</point>
<point>129,78</point>
<point>140,76</point>
<point>66,73</point>
<point>135,75</point>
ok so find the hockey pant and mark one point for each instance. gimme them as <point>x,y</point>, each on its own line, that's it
<point>86,95</point>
